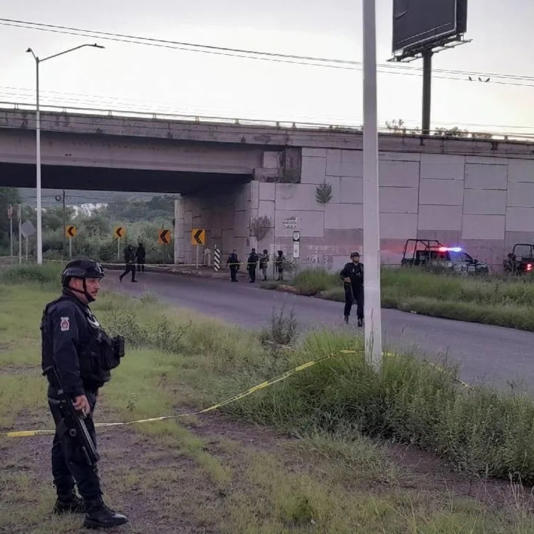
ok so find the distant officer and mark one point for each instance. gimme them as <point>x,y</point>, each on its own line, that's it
<point>264,263</point>
<point>129,260</point>
<point>140,256</point>
<point>77,356</point>
<point>252,263</point>
<point>279,264</point>
<point>352,275</point>
<point>233,263</point>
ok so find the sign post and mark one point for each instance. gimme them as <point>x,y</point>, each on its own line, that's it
<point>19,215</point>
<point>296,244</point>
<point>198,237</point>
<point>119,232</point>
<point>27,229</point>
<point>164,238</point>
<point>10,217</point>
<point>371,227</point>
<point>70,232</point>
<point>216,259</point>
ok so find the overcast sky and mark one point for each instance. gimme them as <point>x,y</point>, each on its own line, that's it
<point>141,77</point>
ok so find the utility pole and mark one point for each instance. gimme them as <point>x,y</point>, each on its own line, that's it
<point>371,221</point>
<point>427,90</point>
<point>38,61</point>
<point>10,215</point>
<point>19,212</point>
<point>64,226</point>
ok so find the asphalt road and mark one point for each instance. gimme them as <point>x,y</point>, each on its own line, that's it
<point>490,354</point>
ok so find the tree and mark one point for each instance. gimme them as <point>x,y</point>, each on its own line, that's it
<point>8,197</point>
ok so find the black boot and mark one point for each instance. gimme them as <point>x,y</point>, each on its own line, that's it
<point>346,319</point>
<point>100,516</point>
<point>360,321</point>
<point>69,504</point>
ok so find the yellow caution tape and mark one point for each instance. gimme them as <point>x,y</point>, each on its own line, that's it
<point>229,400</point>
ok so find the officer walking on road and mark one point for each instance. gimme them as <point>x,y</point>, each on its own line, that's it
<point>352,275</point>
<point>77,356</point>
<point>252,263</point>
<point>129,259</point>
<point>233,263</point>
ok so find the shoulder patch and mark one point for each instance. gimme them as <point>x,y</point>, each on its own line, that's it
<point>64,324</point>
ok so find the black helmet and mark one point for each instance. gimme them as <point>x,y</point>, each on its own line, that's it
<point>354,254</point>
<point>81,269</point>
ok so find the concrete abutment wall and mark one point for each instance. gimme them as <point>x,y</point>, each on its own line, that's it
<point>484,204</point>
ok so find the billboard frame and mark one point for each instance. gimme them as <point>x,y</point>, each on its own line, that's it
<point>435,40</point>
<point>426,48</point>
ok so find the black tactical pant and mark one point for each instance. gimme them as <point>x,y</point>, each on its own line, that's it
<point>353,293</point>
<point>252,273</point>
<point>233,273</point>
<point>130,268</point>
<point>68,464</point>
<point>140,266</point>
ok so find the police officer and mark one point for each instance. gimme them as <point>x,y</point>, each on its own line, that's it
<point>81,355</point>
<point>140,256</point>
<point>264,263</point>
<point>129,260</point>
<point>352,275</point>
<point>233,263</point>
<point>252,263</point>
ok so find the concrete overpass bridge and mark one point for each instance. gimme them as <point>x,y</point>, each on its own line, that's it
<point>478,193</point>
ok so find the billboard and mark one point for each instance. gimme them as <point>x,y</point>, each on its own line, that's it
<point>420,24</point>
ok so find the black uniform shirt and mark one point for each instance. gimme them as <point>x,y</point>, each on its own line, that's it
<point>252,260</point>
<point>233,261</point>
<point>68,327</point>
<point>354,271</point>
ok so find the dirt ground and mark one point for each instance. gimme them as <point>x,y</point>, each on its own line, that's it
<point>163,490</point>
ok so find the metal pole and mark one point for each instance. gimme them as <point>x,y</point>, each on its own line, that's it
<point>38,141</point>
<point>427,90</point>
<point>118,248</point>
<point>38,166</point>
<point>197,252</point>
<point>20,232</point>
<point>371,226</point>
<point>11,235</point>
<point>64,225</point>
<point>26,243</point>
<point>70,247</point>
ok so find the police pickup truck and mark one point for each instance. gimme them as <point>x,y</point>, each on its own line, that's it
<point>520,260</point>
<point>431,254</point>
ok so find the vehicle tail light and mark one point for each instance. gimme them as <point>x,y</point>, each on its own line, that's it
<point>529,267</point>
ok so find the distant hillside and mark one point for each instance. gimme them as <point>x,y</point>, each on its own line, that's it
<point>77,197</point>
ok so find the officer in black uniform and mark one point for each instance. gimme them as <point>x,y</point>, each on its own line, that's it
<point>252,263</point>
<point>129,259</point>
<point>79,351</point>
<point>352,275</point>
<point>233,263</point>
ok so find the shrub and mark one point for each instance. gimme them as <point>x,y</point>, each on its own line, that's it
<point>312,281</point>
<point>283,328</point>
<point>48,273</point>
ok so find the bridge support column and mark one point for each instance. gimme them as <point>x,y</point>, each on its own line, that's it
<point>179,253</point>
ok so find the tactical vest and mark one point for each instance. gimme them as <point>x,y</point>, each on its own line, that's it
<point>97,355</point>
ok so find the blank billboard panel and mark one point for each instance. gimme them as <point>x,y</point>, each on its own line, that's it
<point>424,22</point>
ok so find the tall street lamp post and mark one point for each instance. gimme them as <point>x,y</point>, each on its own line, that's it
<point>38,61</point>
<point>371,218</point>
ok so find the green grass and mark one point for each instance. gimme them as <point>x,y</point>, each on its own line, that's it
<point>335,477</point>
<point>489,300</point>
